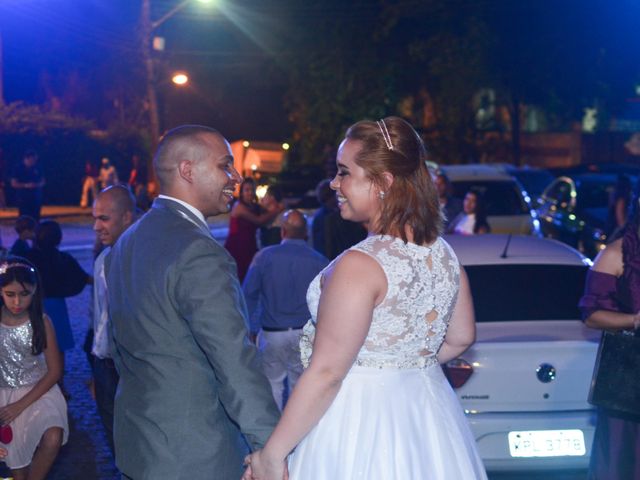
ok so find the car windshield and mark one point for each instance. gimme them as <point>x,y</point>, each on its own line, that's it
<point>526,292</point>
<point>533,181</point>
<point>593,195</point>
<point>501,197</point>
<point>596,192</point>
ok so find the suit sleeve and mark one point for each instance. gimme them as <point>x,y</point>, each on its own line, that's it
<point>209,297</point>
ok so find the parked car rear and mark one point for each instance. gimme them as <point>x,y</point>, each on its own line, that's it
<point>524,383</point>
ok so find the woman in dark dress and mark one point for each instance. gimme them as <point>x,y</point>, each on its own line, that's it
<point>246,217</point>
<point>62,276</point>
<point>612,302</point>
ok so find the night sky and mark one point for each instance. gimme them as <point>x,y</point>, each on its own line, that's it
<point>76,49</point>
<point>73,48</point>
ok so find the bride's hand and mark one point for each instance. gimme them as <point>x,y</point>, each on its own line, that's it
<point>262,467</point>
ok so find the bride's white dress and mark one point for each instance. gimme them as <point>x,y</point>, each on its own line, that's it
<point>395,416</point>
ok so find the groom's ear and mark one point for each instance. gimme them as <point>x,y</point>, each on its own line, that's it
<point>185,170</point>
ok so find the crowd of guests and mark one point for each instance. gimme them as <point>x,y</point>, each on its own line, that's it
<point>95,180</point>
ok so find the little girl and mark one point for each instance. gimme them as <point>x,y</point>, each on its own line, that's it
<point>30,366</point>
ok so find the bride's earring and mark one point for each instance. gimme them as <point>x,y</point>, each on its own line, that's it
<point>381,195</point>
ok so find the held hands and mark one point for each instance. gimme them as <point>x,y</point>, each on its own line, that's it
<point>261,467</point>
<point>9,412</point>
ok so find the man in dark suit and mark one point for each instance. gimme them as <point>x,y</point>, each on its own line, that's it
<point>191,390</point>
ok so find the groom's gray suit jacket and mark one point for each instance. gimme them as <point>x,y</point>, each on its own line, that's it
<point>189,380</point>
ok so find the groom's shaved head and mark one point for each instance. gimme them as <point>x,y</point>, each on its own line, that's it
<point>187,142</point>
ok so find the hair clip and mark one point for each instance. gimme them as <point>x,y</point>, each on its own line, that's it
<point>6,266</point>
<point>385,133</point>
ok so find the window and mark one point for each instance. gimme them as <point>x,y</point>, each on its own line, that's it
<point>501,197</point>
<point>594,194</point>
<point>526,292</point>
<point>533,181</point>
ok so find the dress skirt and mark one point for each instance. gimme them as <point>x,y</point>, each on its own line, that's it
<point>390,424</point>
<point>50,410</point>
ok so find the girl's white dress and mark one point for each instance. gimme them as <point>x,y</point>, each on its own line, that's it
<point>20,370</point>
<point>395,417</point>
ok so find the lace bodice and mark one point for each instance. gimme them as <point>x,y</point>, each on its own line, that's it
<point>409,325</point>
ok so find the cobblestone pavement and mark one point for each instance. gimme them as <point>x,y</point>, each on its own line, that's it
<point>86,456</point>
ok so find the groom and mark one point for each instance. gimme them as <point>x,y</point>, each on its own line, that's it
<point>190,387</point>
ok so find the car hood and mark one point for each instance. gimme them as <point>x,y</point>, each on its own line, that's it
<point>535,331</point>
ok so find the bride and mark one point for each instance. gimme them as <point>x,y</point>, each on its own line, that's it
<point>373,402</point>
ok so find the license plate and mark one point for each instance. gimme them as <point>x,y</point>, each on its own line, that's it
<point>547,443</point>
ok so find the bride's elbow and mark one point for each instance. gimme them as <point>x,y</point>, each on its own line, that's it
<point>327,375</point>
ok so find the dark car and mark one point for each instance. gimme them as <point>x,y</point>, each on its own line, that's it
<point>298,185</point>
<point>574,209</point>
<point>605,168</point>
<point>533,180</point>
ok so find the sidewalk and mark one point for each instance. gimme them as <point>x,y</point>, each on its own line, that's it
<point>78,225</point>
<point>49,211</point>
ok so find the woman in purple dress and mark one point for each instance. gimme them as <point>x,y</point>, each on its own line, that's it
<point>611,301</point>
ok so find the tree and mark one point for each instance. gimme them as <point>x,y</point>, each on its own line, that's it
<point>338,73</point>
<point>364,60</point>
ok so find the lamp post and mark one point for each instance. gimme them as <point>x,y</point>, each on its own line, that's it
<point>1,74</point>
<point>147,26</point>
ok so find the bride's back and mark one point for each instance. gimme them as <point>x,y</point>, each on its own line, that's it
<point>409,325</point>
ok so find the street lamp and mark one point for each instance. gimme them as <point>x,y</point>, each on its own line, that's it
<point>175,10</point>
<point>180,79</point>
<point>147,28</point>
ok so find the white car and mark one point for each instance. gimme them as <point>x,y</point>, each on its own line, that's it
<point>508,206</point>
<point>524,383</point>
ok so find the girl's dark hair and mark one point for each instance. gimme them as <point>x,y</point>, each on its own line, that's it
<point>633,216</point>
<point>18,269</point>
<point>411,200</point>
<point>634,209</point>
<point>623,188</point>
<point>480,212</point>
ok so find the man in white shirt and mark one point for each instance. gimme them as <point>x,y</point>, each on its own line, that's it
<point>113,213</point>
